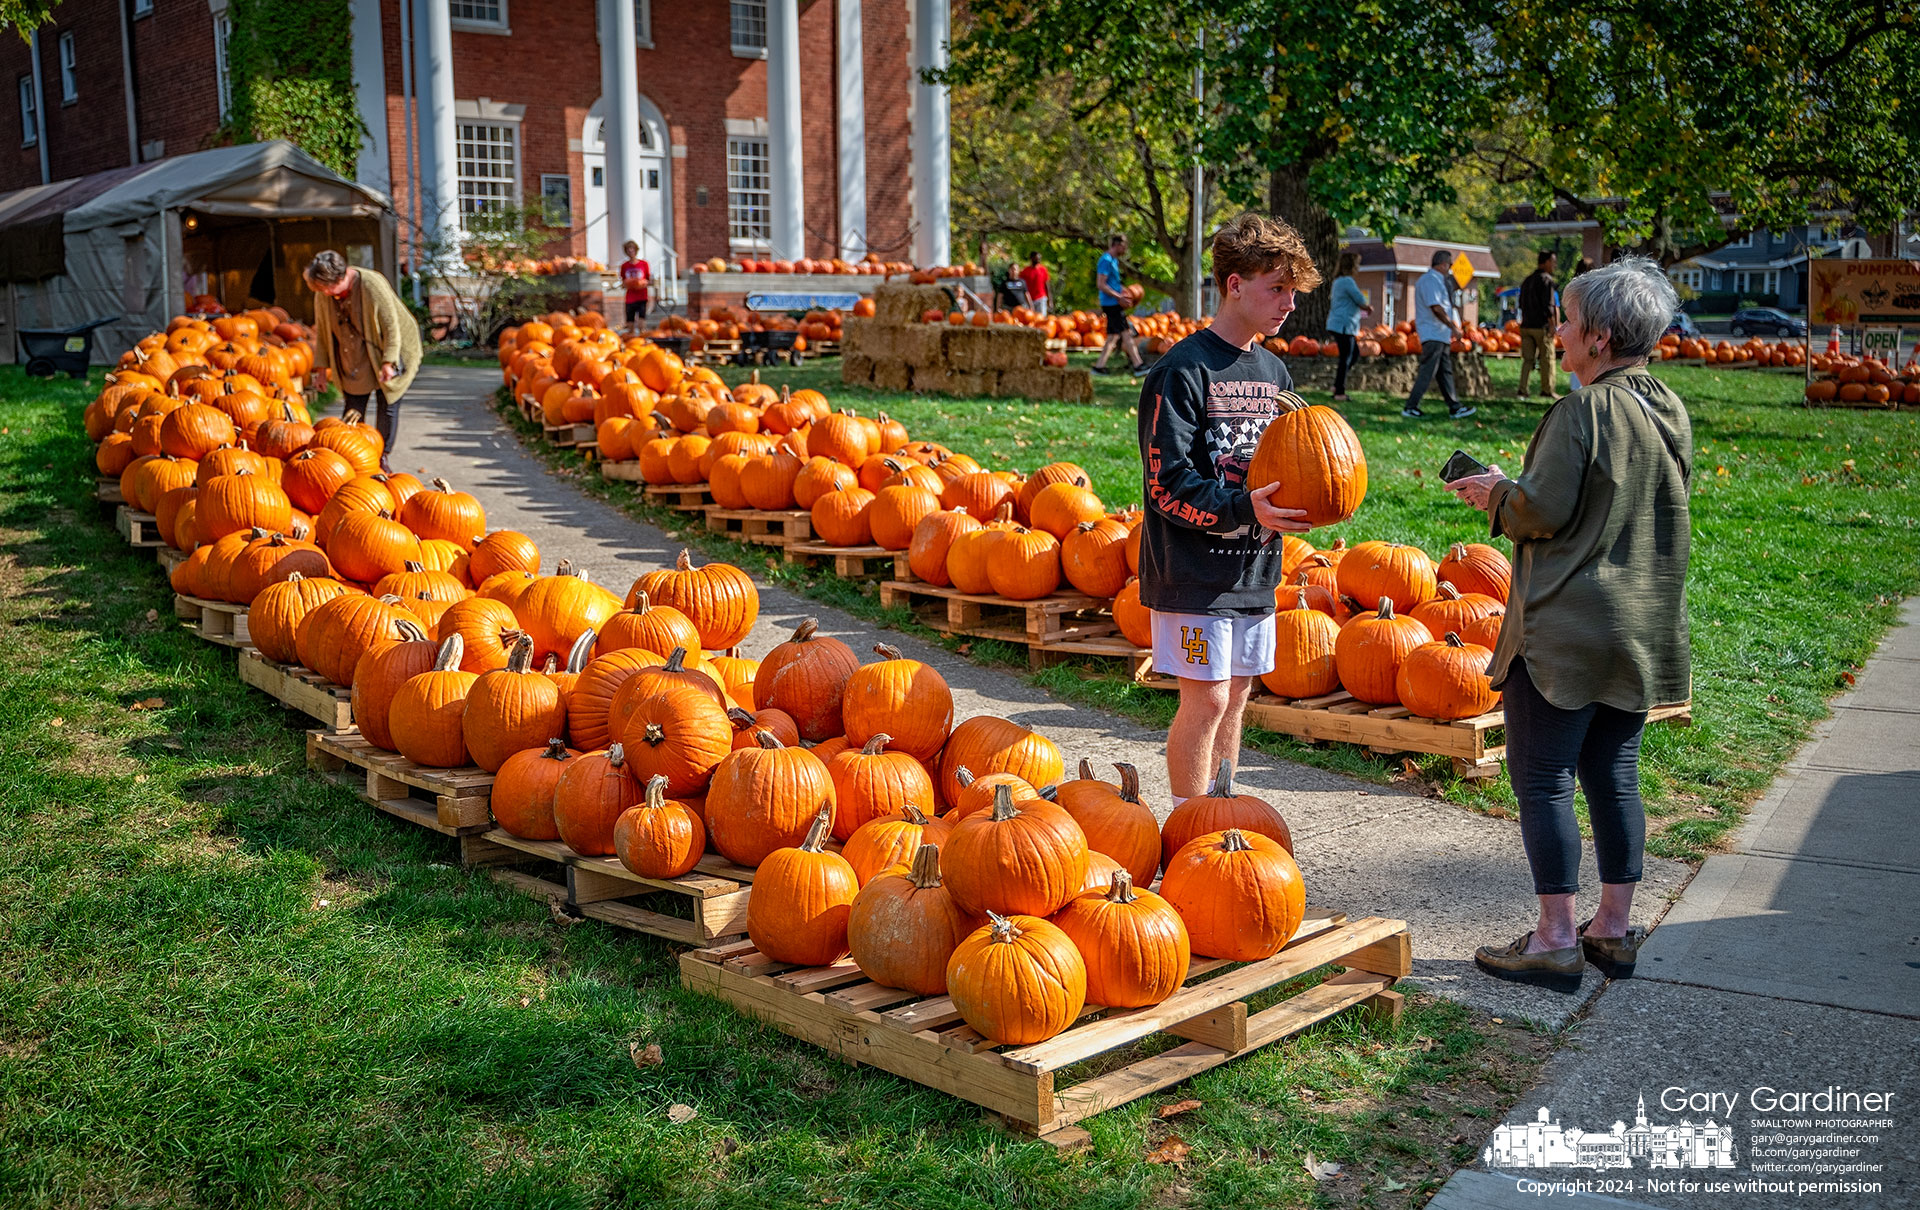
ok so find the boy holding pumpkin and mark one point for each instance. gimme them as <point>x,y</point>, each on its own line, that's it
<point>1210,552</point>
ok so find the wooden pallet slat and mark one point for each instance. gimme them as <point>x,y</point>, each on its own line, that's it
<point>220,622</point>
<point>138,528</point>
<point>1062,617</point>
<point>107,491</point>
<point>452,802</point>
<point>603,889</point>
<point>299,688</point>
<point>625,472</point>
<point>780,527</point>
<point>567,436</point>
<point>686,497</point>
<point>849,562</point>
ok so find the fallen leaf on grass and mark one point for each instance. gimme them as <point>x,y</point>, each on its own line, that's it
<point>148,703</point>
<point>1178,1107</point>
<point>57,722</point>
<point>1173,1151</point>
<point>526,1002</point>
<point>680,1114</point>
<point>1423,1044</point>
<point>1322,1170</point>
<point>153,615</point>
<point>140,777</point>
<point>559,913</point>
<point>1408,768</point>
<point>1393,1186</point>
<point>646,1056</point>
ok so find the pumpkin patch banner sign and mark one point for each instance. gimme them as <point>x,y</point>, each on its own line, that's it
<point>1850,292</point>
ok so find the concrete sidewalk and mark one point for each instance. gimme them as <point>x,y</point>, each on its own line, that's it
<point>1459,878</point>
<point>1791,964</point>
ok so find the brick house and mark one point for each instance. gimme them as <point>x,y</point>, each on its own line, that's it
<point>1388,273</point>
<point>776,127</point>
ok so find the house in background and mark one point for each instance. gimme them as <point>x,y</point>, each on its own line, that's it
<point>1388,272</point>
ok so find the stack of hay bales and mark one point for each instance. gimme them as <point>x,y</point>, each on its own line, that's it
<point>1391,375</point>
<point>894,351</point>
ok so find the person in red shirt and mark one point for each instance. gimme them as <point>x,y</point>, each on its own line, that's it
<point>636,277</point>
<point>1035,275</point>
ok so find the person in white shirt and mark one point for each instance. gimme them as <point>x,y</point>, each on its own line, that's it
<point>1434,321</point>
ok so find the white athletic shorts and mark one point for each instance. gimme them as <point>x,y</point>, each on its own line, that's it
<point>1202,647</point>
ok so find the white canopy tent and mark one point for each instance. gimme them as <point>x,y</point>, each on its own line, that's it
<point>236,223</point>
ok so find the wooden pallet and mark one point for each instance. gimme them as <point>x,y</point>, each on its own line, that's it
<point>781,527</point>
<point>219,622</point>
<point>1114,646</point>
<point>299,688</point>
<point>849,562</point>
<point>169,558</point>
<point>625,472</point>
<point>452,802</point>
<point>1395,729</point>
<point>1047,621</point>
<point>924,1039</point>
<point>822,348</point>
<point>715,892</point>
<point>687,497</point>
<point>567,436</point>
<point>107,491</point>
<point>138,528</point>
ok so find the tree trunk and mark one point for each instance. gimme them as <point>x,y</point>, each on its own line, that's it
<point>1288,198</point>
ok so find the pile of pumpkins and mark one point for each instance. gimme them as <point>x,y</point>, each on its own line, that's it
<point>1844,378</point>
<point>1400,340</point>
<point>726,323</point>
<point>1754,350</point>
<point>869,265</point>
<point>1382,620</point>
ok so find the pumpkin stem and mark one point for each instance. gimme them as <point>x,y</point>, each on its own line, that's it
<point>1129,781</point>
<point>1453,640</point>
<point>295,578</point>
<point>1002,803</point>
<point>1004,930</point>
<point>887,651</point>
<point>1122,889</point>
<point>1300,598</point>
<point>582,651</point>
<point>767,739</point>
<point>684,562</point>
<point>915,815</point>
<point>441,485</point>
<point>657,791</point>
<point>1448,592</point>
<point>520,658</point>
<point>450,652</point>
<point>877,744</point>
<point>1457,552</point>
<point>964,776</point>
<point>641,604</point>
<point>556,749</point>
<point>414,565</point>
<point>409,632</point>
<point>804,632</point>
<point>1050,793</point>
<point>654,734</point>
<point>816,840</point>
<point>1086,769</point>
<point>1085,527</point>
<point>676,661</point>
<point>617,754</point>
<point>1222,786</point>
<point>740,719</point>
<point>1233,841</point>
<point>926,867</point>
<point>549,666</point>
<point>1386,609</point>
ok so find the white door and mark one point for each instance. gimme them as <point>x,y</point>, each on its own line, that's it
<point>656,212</point>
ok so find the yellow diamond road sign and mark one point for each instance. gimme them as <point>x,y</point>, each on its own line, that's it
<point>1462,270</point>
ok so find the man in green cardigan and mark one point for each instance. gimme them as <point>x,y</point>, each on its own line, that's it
<point>366,337</point>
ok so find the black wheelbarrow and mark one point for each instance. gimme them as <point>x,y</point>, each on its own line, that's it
<point>47,351</point>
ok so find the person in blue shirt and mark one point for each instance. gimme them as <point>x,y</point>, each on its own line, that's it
<point>1113,304</point>
<point>1433,319</point>
<point>1345,310</point>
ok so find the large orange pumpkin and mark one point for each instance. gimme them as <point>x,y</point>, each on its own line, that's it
<point>1312,452</point>
<point>1240,894</point>
<point>904,926</point>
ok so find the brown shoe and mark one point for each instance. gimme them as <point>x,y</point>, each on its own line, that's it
<point>1557,970</point>
<point>1613,956</point>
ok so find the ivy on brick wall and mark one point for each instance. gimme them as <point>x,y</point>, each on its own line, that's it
<point>290,63</point>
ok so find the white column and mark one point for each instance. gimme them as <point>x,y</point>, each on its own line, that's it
<point>852,87</point>
<point>374,169</point>
<point>932,140</point>
<point>433,88</point>
<point>783,130</point>
<point>620,96</point>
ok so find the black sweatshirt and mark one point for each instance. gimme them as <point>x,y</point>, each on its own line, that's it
<point>1203,408</point>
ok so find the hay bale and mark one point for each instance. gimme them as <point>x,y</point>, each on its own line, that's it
<point>855,332</point>
<point>923,345</point>
<point>856,369</point>
<point>1073,384</point>
<point>903,302</point>
<point>978,382</point>
<point>892,376</point>
<point>932,380</point>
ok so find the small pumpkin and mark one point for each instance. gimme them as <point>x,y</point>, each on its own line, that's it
<point>381,673</point>
<point>426,715</point>
<point>594,790</point>
<point>719,599</point>
<point>676,729</point>
<point>1374,571</point>
<point>1477,567</point>
<point>1114,819</point>
<point>661,837</point>
<point>801,898</point>
<point>1134,943</point>
<point>509,709</point>
<point>1218,809</point>
<point>657,628</point>
<point>522,796</point>
<point>933,537</point>
<point>274,618</point>
<point>335,634</point>
<point>766,798</point>
<point>907,699</point>
<point>1371,649</point>
<point>1471,615</point>
<point>870,783</point>
<point>889,840</point>
<point>1303,656</point>
<point>1029,858</point>
<point>1017,979</point>
<point>904,926</point>
<point>1447,680</point>
<point>806,677</point>
<point>1240,894</point>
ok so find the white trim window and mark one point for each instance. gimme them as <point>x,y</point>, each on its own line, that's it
<point>643,23</point>
<point>1745,241</point>
<point>487,15</point>
<point>749,193</point>
<point>748,21</point>
<point>1688,277</point>
<point>29,114</point>
<point>222,73</point>
<point>487,164</point>
<point>1757,281</point>
<point>69,70</point>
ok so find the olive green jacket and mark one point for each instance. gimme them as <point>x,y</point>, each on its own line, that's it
<point>1601,534</point>
<point>391,335</point>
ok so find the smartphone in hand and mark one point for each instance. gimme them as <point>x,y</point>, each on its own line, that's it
<point>1461,466</point>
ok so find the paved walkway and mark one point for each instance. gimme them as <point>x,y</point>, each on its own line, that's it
<point>1790,964</point>
<point>1458,877</point>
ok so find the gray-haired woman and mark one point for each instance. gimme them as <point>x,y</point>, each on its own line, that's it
<point>1596,627</point>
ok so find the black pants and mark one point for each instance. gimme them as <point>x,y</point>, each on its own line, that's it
<point>1546,748</point>
<point>1349,353</point>
<point>1436,358</point>
<point>384,417</point>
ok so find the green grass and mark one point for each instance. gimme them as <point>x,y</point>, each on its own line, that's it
<point>1805,540</point>
<point>227,982</point>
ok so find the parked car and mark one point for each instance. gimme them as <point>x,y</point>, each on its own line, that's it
<point>1766,321</point>
<point>1683,326</point>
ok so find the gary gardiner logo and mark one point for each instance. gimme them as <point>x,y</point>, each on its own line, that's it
<point>1545,1143</point>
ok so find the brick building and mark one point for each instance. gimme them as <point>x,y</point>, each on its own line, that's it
<point>778,127</point>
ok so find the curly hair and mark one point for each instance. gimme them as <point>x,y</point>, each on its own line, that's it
<point>1258,243</point>
<point>326,267</point>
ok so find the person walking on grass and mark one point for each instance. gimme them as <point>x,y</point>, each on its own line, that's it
<point>1434,321</point>
<point>1035,277</point>
<point>1113,304</point>
<point>1210,554</point>
<point>637,276</point>
<point>1539,318</point>
<point>1596,628</point>
<point>363,336</point>
<point>1347,307</point>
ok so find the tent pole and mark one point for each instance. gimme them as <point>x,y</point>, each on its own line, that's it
<point>407,106</point>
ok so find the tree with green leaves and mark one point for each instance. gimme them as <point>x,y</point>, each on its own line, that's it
<point>290,63</point>
<point>1326,113</point>
<point>1653,116</point>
